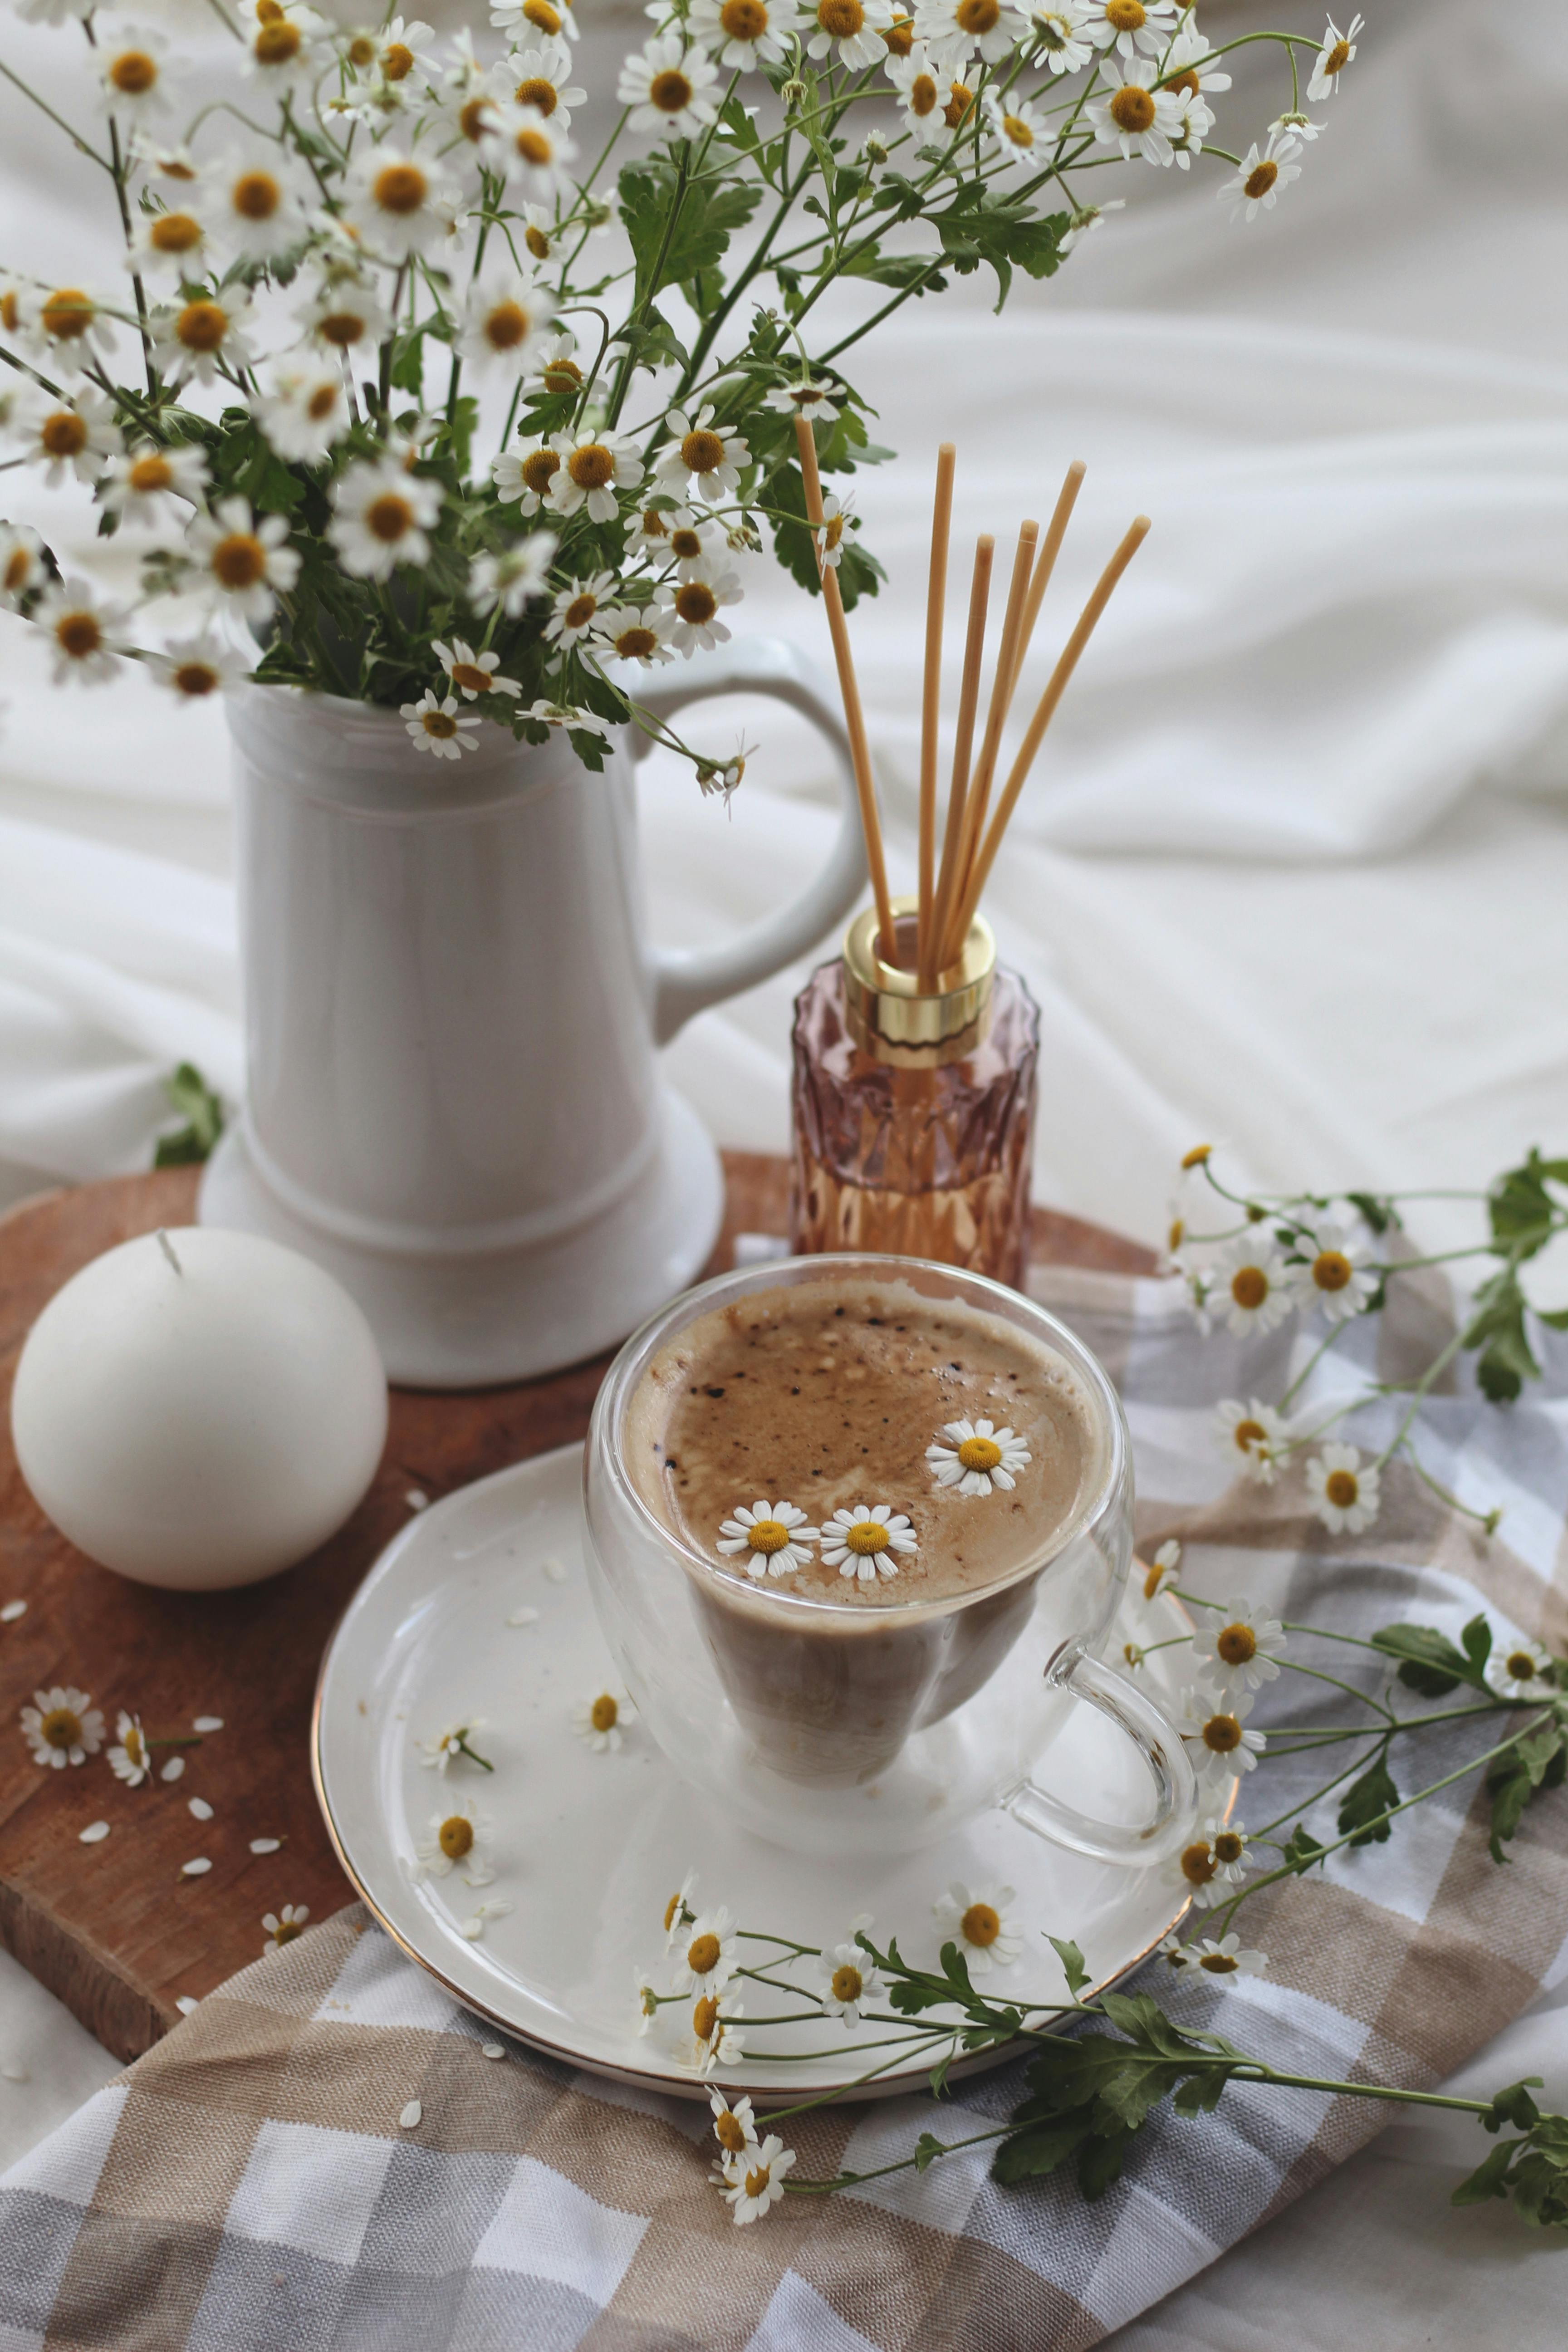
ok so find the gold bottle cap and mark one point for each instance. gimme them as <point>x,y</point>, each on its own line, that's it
<point>887,1013</point>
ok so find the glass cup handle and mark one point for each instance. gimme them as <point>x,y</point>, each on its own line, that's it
<point>1156,1740</point>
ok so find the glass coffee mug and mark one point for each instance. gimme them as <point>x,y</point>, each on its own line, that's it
<point>836,1729</point>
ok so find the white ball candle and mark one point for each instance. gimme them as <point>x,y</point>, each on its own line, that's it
<point>199,1409</point>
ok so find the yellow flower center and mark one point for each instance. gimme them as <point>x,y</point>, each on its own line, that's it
<point>841,19</point>
<point>1131,108</point>
<point>1222,1734</point>
<point>1153,1582</point>
<point>268,12</point>
<point>61,1727</point>
<point>343,327</point>
<point>1342,1487</point>
<point>361,50</point>
<point>277,43</point>
<point>538,245</point>
<point>729,2133</point>
<point>255,195</point>
<point>19,570</point>
<point>469,675</point>
<point>440,724</point>
<point>743,20</point>
<point>476,119</point>
<point>847,1983</point>
<point>866,1536</point>
<point>592,465</point>
<point>1227,1847</point>
<point>959,102</point>
<point>900,36</point>
<point>541,16</point>
<point>1520,1666</point>
<point>1016,132</point>
<point>1249,1287</point>
<point>705,2017</point>
<point>562,375</point>
<point>399,189</point>
<point>538,94</point>
<point>669,90</point>
<point>979,1454</point>
<point>240,560</point>
<point>68,314</point>
<point>1258,183</point>
<point>702,1955</point>
<point>768,1535</point>
<point>149,472</point>
<point>506,326</point>
<point>456,1837</point>
<point>604,1713</point>
<point>538,469</point>
<point>397,61</point>
<point>1198,1155</point>
<point>1331,1269</point>
<point>135,1748</point>
<point>923,95</point>
<point>1175,1235</point>
<point>686,544</point>
<point>1187,83</point>
<point>670,1908</point>
<point>977,17</point>
<point>174,232</point>
<point>1248,1433</point>
<point>1339,57</point>
<point>193,677</point>
<point>287,1930</point>
<point>323,403</point>
<point>135,72</point>
<point>577,615</point>
<point>1237,1645</point>
<point>1126,16</point>
<point>389,517</point>
<point>202,326</point>
<point>63,433</point>
<point>1218,1964</point>
<point>696,602</point>
<point>980,1924</point>
<point>757,2181</point>
<point>534,148</point>
<point>635,644</point>
<point>1197,1864</point>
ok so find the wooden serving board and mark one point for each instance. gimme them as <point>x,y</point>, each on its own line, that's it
<point>112,1928</point>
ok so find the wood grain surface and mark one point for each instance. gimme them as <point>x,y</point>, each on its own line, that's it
<point>114,1929</point>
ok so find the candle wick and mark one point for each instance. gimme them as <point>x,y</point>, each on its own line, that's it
<point>167,1246</point>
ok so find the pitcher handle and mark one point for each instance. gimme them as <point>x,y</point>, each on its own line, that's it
<point>1159,1744</point>
<point>686,980</point>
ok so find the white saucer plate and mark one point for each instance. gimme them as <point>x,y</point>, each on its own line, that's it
<point>588,1847</point>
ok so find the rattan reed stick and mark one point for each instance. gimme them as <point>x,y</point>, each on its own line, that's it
<point>968,706</point>
<point>930,708</point>
<point>990,744</point>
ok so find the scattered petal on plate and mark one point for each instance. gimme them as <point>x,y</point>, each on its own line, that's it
<point>554,1570</point>
<point>185,2004</point>
<point>94,1833</point>
<point>12,1611</point>
<point>207,1723</point>
<point>492,2050</point>
<point>173,1768</point>
<point>195,1869</point>
<point>200,1807</point>
<point>413,2116</point>
<point>523,1617</point>
<point>415,1500</point>
<point>265,1845</point>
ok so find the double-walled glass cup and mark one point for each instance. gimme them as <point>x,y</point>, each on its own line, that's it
<point>832,1727</point>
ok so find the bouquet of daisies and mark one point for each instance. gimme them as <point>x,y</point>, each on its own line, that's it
<point>410,398</point>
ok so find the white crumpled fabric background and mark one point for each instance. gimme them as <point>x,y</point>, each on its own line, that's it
<point>1291,871</point>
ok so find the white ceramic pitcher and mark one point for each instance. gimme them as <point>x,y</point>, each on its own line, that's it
<point>452,1015</point>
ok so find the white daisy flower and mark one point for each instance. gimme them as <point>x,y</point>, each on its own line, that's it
<point>478,1918</point>
<point>863,1542</point>
<point>522,476</point>
<point>1241,1652</point>
<point>639,634</point>
<point>556,366</point>
<point>440,726</point>
<point>193,667</point>
<point>1336,1276</point>
<point>393,201</point>
<point>1251,1285</point>
<point>245,558</point>
<point>285,49</point>
<point>685,538</point>
<point>306,414</point>
<point>71,435</point>
<point>810,397</point>
<point>1174,1952</point>
<point>53,12</point>
<point>671,88</point>
<point>164,159</point>
<point>1167,1562</point>
<point>534,152</point>
<point>954,30</point>
<point>598,1720</point>
<point>979,1922</point>
<point>845,1979</point>
<point>1190,68</point>
<point>461,1835</point>
<point>734,2128</point>
<point>836,519</point>
<point>1294,126</point>
<point>742,34</point>
<point>396,53</point>
<point>704,589</point>
<point>1210,1864</point>
<point>704,457</point>
<point>1130,26</point>
<point>382,513</point>
<point>681,1911</point>
<point>1018,136</point>
<point>448,1746</point>
<point>773,1537</point>
<point>707,1952</point>
<point>1345,1494</point>
<point>22,568</point>
<point>347,316</point>
<point>1226,1959</point>
<point>1195,121</point>
<point>921,87</point>
<point>133,79</point>
<point>542,78</point>
<point>513,576</point>
<point>577,610</point>
<point>591,470</point>
<point>850,31</point>
<point>560,714</point>
<point>1334,56</point>
<point>69,322</point>
<point>505,321</point>
<point>1258,183</point>
<point>285,1927</point>
<point>756,2178</point>
<point>254,202</point>
<point>83,631</point>
<point>175,240</point>
<point>62,1727</point>
<point>1060,35</point>
<point>647,2000</point>
<point>980,1457</point>
<point>129,1759</point>
<point>1214,1733</point>
<point>196,339</point>
<point>147,485</point>
<point>551,17</point>
<point>1086,219</point>
<point>1253,1430</point>
<point>472,673</point>
<point>715,2042</point>
<point>1130,112</point>
<point>1523,1670</point>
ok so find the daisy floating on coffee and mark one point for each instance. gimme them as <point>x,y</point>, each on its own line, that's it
<point>861,1542</point>
<point>773,1537</point>
<point>980,1458</point>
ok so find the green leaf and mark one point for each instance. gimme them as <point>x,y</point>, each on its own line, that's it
<point>188,1145</point>
<point>1378,1213</point>
<point>703,223</point>
<point>1099,2162</point>
<point>1301,1850</point>
<point>1522,1212</point>
<point>1071,1960</point>
<point>901,269</point>
<point>928,2147</point>
<point>1431,1664</point>
<point>1490,2176</point>
<point>1004,235</point>
<point>1477,1641</point>
<point>1041,2149</point>
<point>1515,2106</point>
<point>1514,1778</point>
<point>1366,1800</point>
<point>1497,1329</point>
